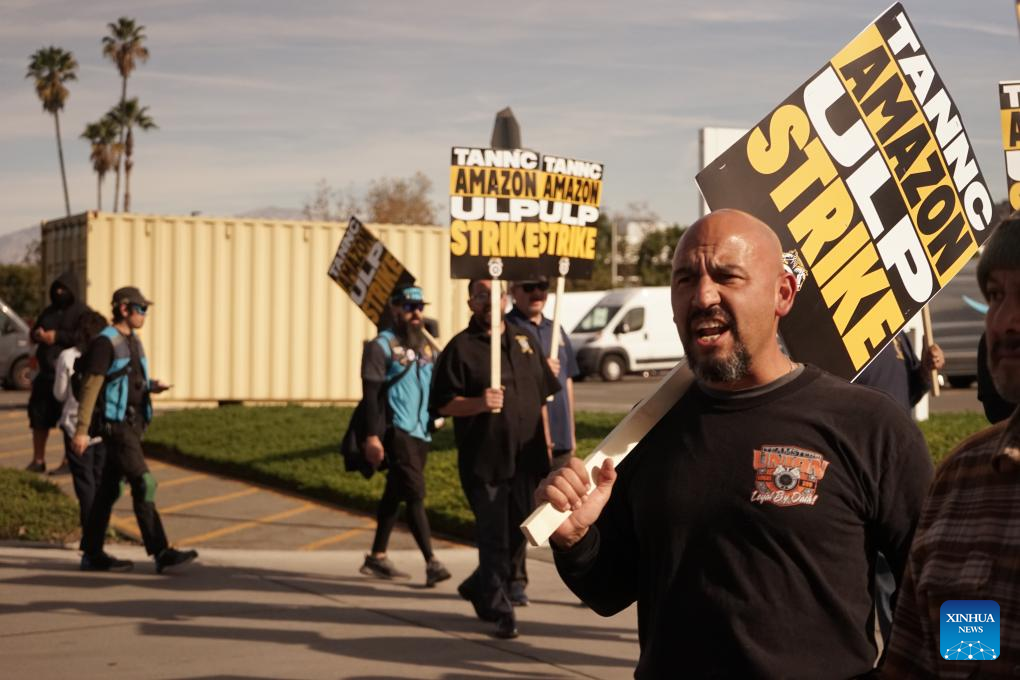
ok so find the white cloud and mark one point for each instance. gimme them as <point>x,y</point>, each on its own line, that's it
<point>258,100</point>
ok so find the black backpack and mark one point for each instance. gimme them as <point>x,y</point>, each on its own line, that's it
<point>78,378</point>
<point>351,444</point>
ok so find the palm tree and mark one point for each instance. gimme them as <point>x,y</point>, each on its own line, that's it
<point>124,48</point>
<point>129,116</point>
<point>51,67</point>
<point>105,153</point>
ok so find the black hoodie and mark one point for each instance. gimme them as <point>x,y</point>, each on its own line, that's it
<point>63,316</point>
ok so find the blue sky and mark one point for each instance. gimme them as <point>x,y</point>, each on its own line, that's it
<point>257,101</point>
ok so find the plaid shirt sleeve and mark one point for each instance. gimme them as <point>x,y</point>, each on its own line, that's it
<point>964,549</point>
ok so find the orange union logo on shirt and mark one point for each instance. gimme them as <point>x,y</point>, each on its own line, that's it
<point>787,475</point>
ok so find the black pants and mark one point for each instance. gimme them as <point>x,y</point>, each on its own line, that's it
<point>124,459</point>
<point>86,474</point>
<point>405,482</point>
<point>522,503</point>
<point>499,508</point>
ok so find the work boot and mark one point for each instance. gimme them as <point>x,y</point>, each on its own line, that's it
<point>36,466</point>
<point>467,590</point>
<point>435,572</point>
<point>381,567</point>
<point>171,557</point>
<point>506,627</point>
<point>103,562</point>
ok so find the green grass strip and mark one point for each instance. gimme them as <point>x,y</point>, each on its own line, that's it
<point>295,448</point>
<point>32,508</point>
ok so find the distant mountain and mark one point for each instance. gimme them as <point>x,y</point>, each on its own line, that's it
<point>14,245</point>
<point>273,212</point>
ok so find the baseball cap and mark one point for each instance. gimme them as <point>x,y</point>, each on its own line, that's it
<point>409,294</point>
<point>129,295</point>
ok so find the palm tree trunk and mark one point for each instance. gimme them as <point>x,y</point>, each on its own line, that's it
<point>99,192</point>
<point>60,153</point>
<point>128,164</point>
<point>116,184</point>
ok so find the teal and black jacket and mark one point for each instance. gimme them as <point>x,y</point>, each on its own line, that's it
<point>115,389</point>
<point>407,382</point>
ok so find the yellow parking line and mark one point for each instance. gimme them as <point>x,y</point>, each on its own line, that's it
<point>337,538</point>
<point>68,478</point>
<point>182,480</point>
<point>15,454</point>
<point>234,528</point>
<point>28,452</point>
<point>208,501</point>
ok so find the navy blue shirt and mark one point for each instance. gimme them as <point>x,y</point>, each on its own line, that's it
<point>561,427</point>
<point>898,372</point>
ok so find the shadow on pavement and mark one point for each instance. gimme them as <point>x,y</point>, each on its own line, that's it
<point>302,625</point>
<point>419,651</point>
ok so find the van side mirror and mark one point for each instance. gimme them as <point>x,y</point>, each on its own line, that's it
<point>622,327</point>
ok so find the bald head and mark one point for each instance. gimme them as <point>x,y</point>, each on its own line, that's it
<point>729,290</point>
<point>742,230</point>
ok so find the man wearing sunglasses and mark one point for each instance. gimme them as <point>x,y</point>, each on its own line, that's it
<point>396,376</point>
<point>529,299</point>
<point>115,404</point>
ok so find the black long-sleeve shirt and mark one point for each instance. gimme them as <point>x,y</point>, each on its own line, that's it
<point>746,530</point>
<point>63,317</point>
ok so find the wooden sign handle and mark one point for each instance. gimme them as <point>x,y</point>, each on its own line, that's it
<point>495,340</point>
<point>929,340</point>
<point>541,524</point>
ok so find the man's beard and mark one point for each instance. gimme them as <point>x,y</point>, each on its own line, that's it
<point>411,336</point>
<point>720,369</point>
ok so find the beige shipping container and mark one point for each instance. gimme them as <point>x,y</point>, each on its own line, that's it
<point>243,308</point>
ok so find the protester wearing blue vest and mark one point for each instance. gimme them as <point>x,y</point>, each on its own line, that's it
<point>115,389</point>
<point>396,376</point>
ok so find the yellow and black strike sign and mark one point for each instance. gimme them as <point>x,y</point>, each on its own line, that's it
<point>1009,106</point>
<point>867,172</point>
<point>367,271</point>
<point>527,209</point>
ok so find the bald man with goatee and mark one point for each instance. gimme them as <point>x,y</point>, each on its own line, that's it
<point>745,524</point>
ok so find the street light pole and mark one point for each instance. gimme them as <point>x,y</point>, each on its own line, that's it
<point>612,253</point>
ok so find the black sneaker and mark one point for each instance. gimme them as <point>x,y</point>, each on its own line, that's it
<point>435,572</point>
<point>381,567</point>
<point>518,597</point>
<point>171,557</point>
<point>103,562</point>
<point>64,469</point>
<point>36,466</point>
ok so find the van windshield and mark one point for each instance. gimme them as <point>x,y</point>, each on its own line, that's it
<point>597,318</point>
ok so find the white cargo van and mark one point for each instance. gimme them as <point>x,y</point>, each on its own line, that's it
<point>630,330</point>
<point>575,306</point>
